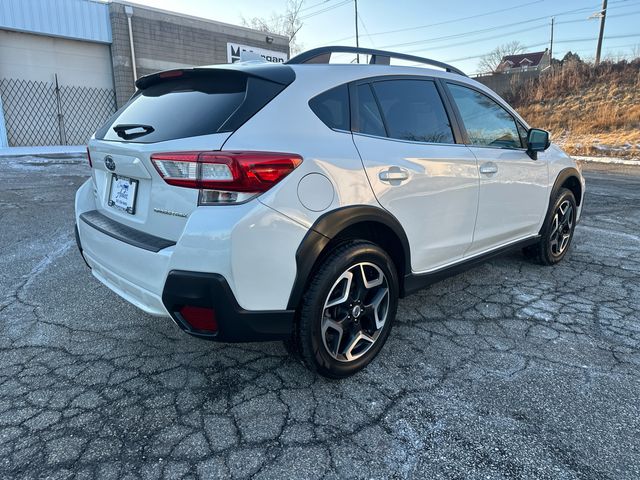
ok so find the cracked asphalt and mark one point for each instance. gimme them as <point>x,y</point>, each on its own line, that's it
<point>510,370</point>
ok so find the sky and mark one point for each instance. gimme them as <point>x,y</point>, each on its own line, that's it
<point>454,31</point>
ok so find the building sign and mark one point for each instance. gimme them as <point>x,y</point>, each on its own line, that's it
<point>234,50</point>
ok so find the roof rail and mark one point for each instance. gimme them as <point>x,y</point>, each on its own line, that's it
<point>378,57</point>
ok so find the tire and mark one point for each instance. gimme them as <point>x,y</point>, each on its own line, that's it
<point>347,310</point>
<point>557,231</point>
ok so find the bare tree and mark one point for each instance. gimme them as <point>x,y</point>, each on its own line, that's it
<point>635,51</point>
<point>288,24</point>
<point>490,61</point>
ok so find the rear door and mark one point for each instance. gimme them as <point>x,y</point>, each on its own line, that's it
<point>417,170</point>
<point>513,186</point>
<point>176,111</point>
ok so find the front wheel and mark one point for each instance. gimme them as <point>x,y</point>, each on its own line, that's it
<point>347,310</point>
<point>557,230</point>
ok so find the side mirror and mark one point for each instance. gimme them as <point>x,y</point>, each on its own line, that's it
<point>537,141</point>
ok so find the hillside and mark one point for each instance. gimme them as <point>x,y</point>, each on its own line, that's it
<point>589,110</point>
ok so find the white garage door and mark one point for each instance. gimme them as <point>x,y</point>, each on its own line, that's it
<point>54,91</point>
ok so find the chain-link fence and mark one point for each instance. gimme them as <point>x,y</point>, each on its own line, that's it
<point>43,113</point>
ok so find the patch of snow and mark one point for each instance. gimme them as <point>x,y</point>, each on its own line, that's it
<point>43,150</point>
<point>609,160</point>
<point>57,165</point>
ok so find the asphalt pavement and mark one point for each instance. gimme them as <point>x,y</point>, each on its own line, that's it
<point>510,370</point>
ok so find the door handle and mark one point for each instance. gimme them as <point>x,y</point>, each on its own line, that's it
<point>488,168</point>
<point>393,174</point>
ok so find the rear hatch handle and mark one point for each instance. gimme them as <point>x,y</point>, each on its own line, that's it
<point>137,130</point>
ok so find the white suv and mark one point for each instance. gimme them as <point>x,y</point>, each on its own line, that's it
<point>299,201</point>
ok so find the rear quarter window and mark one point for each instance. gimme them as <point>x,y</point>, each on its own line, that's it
<point>332,107</point>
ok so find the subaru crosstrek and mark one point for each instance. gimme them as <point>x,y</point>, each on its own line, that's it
<point>300,201</point>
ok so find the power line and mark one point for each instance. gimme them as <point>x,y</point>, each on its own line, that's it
<point>503,34</point>
<point>576,40</point>
<point>483,39</point>
<point>365,29</point>
<point>318,12</point>
<point>464,34</point>
<point>497,27</point>
<point>309,7</point>
<point>612,47</point>
<point>419,27</point>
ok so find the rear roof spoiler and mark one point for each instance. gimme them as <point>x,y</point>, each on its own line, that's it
<point>273,72</point>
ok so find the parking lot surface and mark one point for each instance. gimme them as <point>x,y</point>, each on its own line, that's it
<point>510,370</point>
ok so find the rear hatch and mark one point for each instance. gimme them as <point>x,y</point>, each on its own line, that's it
<point>193,110</point>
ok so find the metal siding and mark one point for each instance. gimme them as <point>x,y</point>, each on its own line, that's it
<point>76,19</point>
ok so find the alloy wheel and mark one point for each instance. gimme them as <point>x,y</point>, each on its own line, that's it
<point>355,312</point>
<point>561,228</point>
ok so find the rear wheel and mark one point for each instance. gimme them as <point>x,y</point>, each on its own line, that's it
<point>557,231</point>
<point>347,310</point>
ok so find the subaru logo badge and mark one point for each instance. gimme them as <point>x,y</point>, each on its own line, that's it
<point>109,163</point>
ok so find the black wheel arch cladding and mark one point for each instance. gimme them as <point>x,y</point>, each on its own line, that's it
<point>568,178</point>
<point>331,225</point>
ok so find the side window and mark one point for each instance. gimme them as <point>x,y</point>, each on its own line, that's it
<point>368,114</point>
<point>487,123</point>
<point>413,110</point>
<point>332,107</point>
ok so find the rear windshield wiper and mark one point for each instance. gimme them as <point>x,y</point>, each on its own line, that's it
<point>137,130</point>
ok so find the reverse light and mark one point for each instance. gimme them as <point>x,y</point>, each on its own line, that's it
<point>225,177</point>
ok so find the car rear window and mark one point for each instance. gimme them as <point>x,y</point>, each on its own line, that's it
<point>192,104</point>
<point>332,107</point>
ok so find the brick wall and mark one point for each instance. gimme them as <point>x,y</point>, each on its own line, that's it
<point>164,40</point>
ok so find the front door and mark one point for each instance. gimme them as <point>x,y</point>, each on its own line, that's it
<point>513,193</point>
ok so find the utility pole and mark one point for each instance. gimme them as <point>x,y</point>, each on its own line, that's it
<point>357,38</point>
<point>603,16</point>
<point>551,44</point>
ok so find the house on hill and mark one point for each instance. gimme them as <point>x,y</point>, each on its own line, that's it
<point>524,62</point>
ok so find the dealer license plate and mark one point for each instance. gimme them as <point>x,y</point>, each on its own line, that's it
<point>122,194</point>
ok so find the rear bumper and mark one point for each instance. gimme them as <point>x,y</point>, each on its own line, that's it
<point>208,290</point>
<point>235,324</point>
<point>231,259</point>
<point>136,274</point>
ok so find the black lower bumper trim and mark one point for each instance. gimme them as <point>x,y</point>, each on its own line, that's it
<point>124,233</point>
<point>235,324</point>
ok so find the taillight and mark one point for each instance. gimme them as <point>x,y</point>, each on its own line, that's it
<point>89,158</point>
<point>225,177</point>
